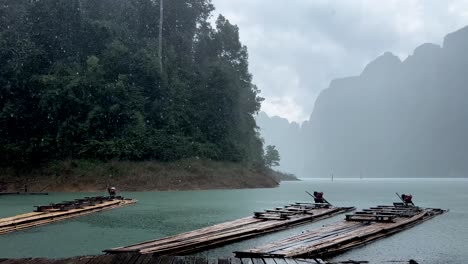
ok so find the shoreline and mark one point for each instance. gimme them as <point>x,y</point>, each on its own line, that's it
<point>127,176</point>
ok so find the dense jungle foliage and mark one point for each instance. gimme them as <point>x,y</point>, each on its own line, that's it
<point>81,79</point>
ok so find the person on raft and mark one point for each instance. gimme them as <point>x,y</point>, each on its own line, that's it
<point>318,197</point>
<point>407,199</point>
<point>112,191</point>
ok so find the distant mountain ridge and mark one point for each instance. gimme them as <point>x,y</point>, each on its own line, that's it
<point>286,137</point>
<point>397,119</point>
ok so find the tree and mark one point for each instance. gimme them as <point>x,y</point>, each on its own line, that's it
<point>81,79</point>
<point>272,157</point>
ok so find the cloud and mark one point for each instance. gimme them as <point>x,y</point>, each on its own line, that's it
<point>297,47</point>
<point>285,107</point>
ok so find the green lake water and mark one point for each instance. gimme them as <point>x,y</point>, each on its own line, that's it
<point>159,214</point>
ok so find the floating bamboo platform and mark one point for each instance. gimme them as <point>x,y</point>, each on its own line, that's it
<point>154,259</point>
<point>258,224</point>
<point>356,230</point>
<point>46,214</point>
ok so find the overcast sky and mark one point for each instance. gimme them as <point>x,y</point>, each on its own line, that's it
<point>297,47</point>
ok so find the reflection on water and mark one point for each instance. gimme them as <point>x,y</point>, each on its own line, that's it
<point>161,214</point>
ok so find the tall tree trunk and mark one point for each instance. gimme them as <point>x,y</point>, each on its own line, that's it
<point>161,8</point>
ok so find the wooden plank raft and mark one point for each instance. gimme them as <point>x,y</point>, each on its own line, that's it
<point>357,229</point>
<point>154,259</point>
<point>46,214</point>
<point>220,234</point>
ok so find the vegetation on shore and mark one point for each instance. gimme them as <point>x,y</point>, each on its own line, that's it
<point>280,176</point>
<point>90,176</point>
<point>157,107</point>
<point>85,79</point>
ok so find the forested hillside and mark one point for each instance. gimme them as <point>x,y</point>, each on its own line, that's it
<point>81,79</point>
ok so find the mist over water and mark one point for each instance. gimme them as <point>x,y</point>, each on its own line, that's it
<point>86,81</point>
<point>159,214</point>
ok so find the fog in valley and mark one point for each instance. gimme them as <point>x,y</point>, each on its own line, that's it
<point>233,131</point>
<point>398,118</point>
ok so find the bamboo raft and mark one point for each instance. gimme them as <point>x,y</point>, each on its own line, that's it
<point>154,259</point>
<point>356,230</point>
<point>220,234</point>
<point>46,214</point>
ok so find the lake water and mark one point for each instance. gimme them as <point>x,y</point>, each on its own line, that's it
<point>443,239</point>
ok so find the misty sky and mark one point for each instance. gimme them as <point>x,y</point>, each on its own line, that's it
<point>297,47</point>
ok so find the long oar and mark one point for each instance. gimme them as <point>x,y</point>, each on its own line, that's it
<point>310,194</point>
<point>316,197</point>
<point>399,197</point>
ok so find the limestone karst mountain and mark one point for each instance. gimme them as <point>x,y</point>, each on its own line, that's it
<point>397,119</point>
